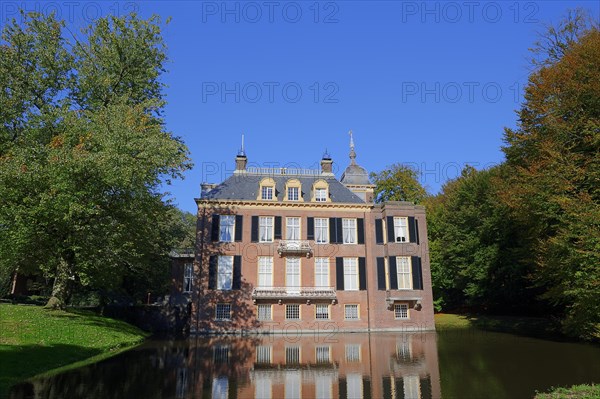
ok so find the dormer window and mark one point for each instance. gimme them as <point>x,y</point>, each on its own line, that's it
<point>293,190</point>
<point>267,193</point>
<point>293,193</point>
<point>321,194</point>
<point>266,190</point>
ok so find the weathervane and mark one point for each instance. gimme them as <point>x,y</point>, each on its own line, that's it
<point>352,153</point>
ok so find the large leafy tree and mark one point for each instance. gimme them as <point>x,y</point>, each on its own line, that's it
<point>398,183</point>
<point>84,151</point>
<point>555,158</point>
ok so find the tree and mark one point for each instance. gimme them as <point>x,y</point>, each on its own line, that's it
<point>84,151</point>
<point>554,156</point>
<point>398,183</point>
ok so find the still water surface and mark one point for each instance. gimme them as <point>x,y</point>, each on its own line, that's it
<point>448,364</point>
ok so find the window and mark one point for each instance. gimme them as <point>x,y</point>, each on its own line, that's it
<point>401,229</point>
<point>188,277</point>
<point>292,384</point>
<point>221,354</point>
<point>292,312</point>
<point>263,354</point>
<point>220,388</point>
<point>354,385</point>
<point>264,312</point>
<point>265,271</point>
<point>401,311</point>
<point>321,230</point>
<point>292,228</point>
<point>353,353</point>
<point>263,386</point>
<point>293,193</point>
<point>226,228</point>
<point>265,228</point>
<point>351,312</point>
<point>351,274</point>
<point>322,311</point>
<point>349,231</point>
<point>403,266</point>
<point>223,311</point>
<point>292,275</point>
<point>322,354</point>
<point>323,386</point>
<point>225,273</point>
<point>320,194</point>
<point>292,354</point>
<point>266,192</point>
<point>321,272</point>
<point>412,387</point>
<point>403,349</point>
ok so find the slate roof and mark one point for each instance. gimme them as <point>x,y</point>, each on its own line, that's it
<point>245,187</point>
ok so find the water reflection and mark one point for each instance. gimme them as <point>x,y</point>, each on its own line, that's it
<point>357,366</point>
<point>472,364</point>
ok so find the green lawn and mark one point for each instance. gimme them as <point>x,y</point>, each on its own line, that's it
<point>34,340</point>
<point>575,392</point>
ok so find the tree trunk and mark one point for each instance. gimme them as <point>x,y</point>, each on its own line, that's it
<point>61,290</point>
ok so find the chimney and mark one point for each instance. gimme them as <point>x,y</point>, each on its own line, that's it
<point>240,162</point>
<point>326,164</point>
<point>205,188</point>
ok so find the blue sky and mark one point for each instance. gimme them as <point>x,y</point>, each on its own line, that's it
<point>431,84</point>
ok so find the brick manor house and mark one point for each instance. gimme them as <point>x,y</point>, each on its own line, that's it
<point>296,250</point>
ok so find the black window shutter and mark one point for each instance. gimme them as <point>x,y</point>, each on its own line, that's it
<point>412,235</point>
<point>366,388</point>
<point>277,235</point>
<point>399,387</point>
<point>381,274</point>
<point>214,235</point>
<point>339,231</point>
<point>254,232</point>
<point>339,273</point>
<point>387,387</point>
<point>417,273</point>
<point>393,274</point>
<point>310,228</point>
<point>390,229</point>
<point>426,387</point>
<point>378,231</point>
<point>239,225</point>
<point>362,274</point>
<point>417,229</point>
<point>237,273</point>
<point>332,231</point>
<point>360,230</point>
<point>342,388</point>
<point>212,272</point>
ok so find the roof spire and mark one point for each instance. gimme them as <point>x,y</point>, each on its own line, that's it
<point>242,152</point>
<point>352,153</point>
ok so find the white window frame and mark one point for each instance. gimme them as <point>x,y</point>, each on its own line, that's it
<point>322,311</point>
<point>293,354</point>
<point>322,272</point>
<point>349,230</point>
<point>404,272</point>
<point>320,194</point>
<point>261,351</point>
<point>266,226</point>
<point>401,229</point>
<point>293,228</point>
<point>401,311</point>
<point>412,386</point>
<point>221,309</point>
<point>265,271</point>
<point>323,354</point>
<point>293,194</point>
<point>351,306</point>
<point>289,311</point>
<point>188,277</point>
<point>351,278</point>
<point>226,228</point>
<point>354,384</point>
<point>225,273</point>
<point>352,353</point>
<point>293,268</point>
<point>267,192</point>
<point>220,387</point>
<point>266,314</point>
<point>321,230</point>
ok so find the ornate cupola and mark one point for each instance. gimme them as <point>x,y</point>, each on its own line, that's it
<point>356,178</point>
<point>241,160</point>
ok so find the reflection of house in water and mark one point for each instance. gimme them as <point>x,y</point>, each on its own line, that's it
<point>380,365</point>
<point>289,249</point>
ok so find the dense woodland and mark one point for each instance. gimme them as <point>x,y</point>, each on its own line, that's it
<point>523,237</point>
<point>84,154</point>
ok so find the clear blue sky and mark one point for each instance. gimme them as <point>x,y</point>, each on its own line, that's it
<point>432,84</point>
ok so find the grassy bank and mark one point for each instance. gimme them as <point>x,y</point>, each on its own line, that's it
<point>526,326</point>
<point>34,340</point>
<point>574,392</point>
